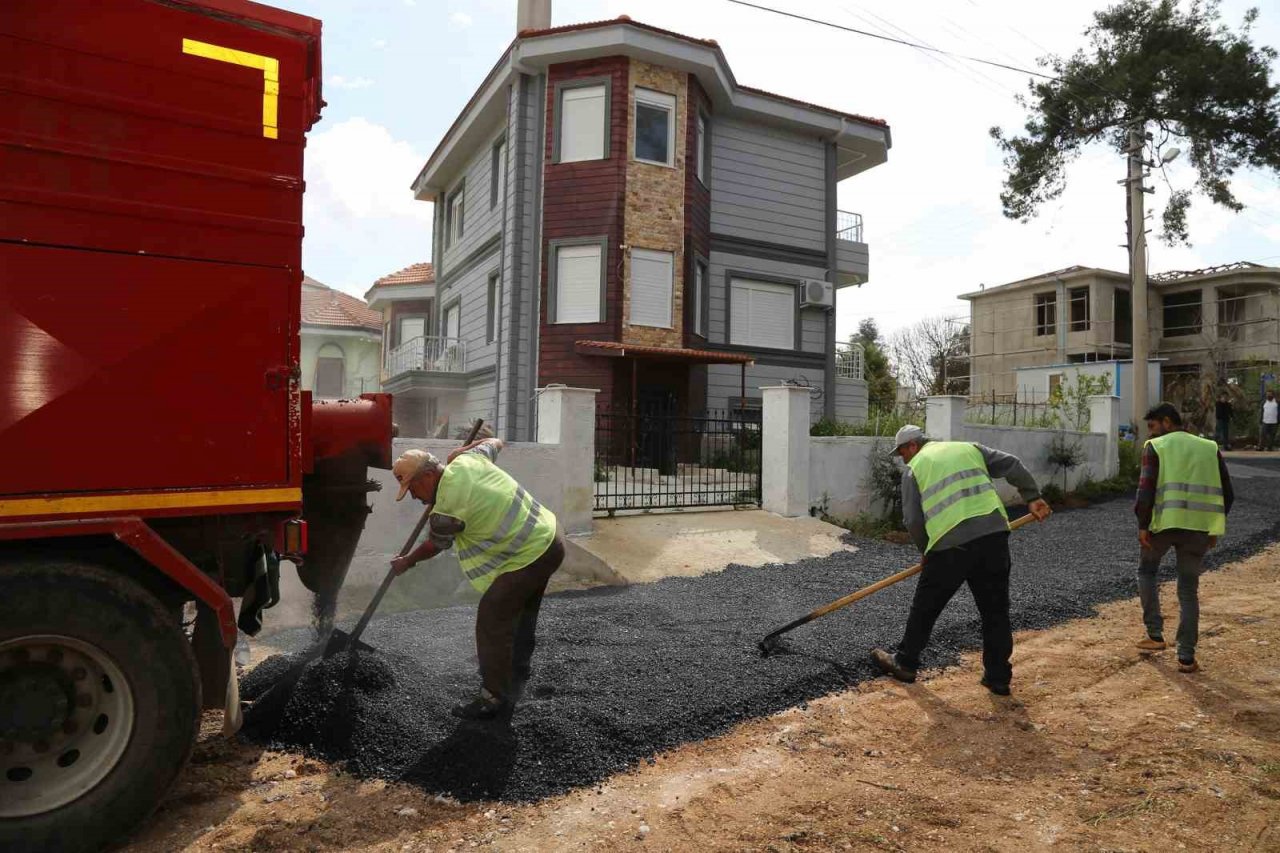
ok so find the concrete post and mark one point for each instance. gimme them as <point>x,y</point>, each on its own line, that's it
<point>567,417</point>
<point>1104,419</point>
<point>944,417</point>
<point>1209,314</point>
<point>785,450</point>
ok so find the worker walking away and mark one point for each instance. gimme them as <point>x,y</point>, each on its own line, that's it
<point>957,520</point>
<point>1184,495</point>
<point>508,547</point>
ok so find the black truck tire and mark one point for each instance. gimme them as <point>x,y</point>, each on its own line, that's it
<point>79,644</point>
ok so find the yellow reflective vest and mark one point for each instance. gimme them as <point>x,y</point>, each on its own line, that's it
<point>1189,485</point>
<point>954,487</point>
<point>505,528</point>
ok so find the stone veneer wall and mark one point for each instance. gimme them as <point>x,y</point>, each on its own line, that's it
<point>654,217</point>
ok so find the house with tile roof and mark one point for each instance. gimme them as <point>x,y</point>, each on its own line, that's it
<point>614,210</point>
<point>341,343</point>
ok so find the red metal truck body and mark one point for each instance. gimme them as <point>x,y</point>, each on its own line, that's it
<point>150,249</point>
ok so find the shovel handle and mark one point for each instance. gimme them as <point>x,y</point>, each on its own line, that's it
<point>869,590</point>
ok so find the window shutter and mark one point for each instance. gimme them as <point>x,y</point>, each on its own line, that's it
<point>651,284</point>
<point>578,284</point>
<point>582,124</point>
<point>412,327</point>
<point>763,315</point>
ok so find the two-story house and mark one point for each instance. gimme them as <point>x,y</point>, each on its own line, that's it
<point>341,341</point>
<point>1218,319</point>
<point>613,210</point>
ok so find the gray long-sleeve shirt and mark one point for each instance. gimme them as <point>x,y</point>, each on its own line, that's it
<point>999,465</point>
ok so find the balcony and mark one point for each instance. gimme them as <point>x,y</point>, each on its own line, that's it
<point>848,361</point>
<point>851,251</point>
<point>430,362</point>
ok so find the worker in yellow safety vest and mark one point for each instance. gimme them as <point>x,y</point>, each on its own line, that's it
<point>954,516</point>
<point>508,548</point>
<point>1184,495</point>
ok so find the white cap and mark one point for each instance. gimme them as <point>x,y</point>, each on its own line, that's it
<point>906,435</point>
<point>410,464</point>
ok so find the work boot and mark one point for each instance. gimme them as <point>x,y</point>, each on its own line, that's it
<point>1188,666</point>
<point>889,665</point>
<point>995,686</point>
<point>486,706</point>
<point>1152,644</point>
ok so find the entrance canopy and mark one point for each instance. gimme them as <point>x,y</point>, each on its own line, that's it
<point>614,349</point>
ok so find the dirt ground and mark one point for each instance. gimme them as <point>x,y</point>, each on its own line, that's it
<point>1100,748</point>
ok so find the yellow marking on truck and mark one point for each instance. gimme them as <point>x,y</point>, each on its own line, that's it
<point>269,67</point>
<point>148,501</point>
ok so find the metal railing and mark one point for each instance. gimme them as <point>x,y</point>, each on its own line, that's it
<point>849,361</point>
<point>849,226</point>
<point>440,354</point>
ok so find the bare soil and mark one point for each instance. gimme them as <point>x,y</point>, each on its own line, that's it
<point>1100,748</point>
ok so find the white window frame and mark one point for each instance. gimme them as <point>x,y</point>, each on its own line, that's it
<point>454,313</point>
<point>659,101</point>
<point>408,318</point>
<point>659,314</point>
<point>454,212</point>
<point>577,93</point>
<point>562,314</point>
<point>700,274</point>
<point>498,178</point>
<point>701,163</point>
<point>743,286</point>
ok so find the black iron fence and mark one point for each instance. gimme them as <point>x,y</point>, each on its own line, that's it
<point>658,459</point>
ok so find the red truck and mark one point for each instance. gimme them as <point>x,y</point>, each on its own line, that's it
<point>156,450</point>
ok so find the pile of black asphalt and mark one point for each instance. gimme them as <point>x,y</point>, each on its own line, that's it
<point>622,674</point>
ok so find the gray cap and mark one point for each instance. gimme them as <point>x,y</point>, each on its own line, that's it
<point>908,433</point>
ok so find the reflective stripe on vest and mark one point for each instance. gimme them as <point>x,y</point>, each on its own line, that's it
<point>954,486</point>
<point>1189,487</point>
<point>505,528</point>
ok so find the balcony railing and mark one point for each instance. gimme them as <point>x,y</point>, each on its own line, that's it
<point>439,354</point>
<point>849,226</point>
<point>848,361</point>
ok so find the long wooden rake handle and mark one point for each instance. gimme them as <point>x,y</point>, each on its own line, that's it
<point>864,592</point>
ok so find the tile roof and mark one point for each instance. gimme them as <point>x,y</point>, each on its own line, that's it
<point>421,273</point>
<point>324,306</point>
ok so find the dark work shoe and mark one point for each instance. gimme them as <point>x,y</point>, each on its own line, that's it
<point>889,665</point>
<point>1188,666</point>
<point>995,686</point>
<point>486,706</point>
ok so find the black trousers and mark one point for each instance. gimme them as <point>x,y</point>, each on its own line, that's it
<point>984,565</point>
<point>507,621</point>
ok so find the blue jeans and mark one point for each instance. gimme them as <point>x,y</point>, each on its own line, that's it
<point>1190,547</point>
<point>1222,434</point>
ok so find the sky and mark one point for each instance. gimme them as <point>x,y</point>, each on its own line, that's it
<point>398,72</point>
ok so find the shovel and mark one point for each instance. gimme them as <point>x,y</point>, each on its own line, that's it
<point>769,644</point>
<point>339,640</point>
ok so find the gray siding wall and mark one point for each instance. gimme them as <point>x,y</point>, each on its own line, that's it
<point>520,259</point>
<point>724,383</point>
<point>479,222</point>
<point>479,402</point>
<point>470,291</point>
<point>767,184</point>
<point>851,400</point>
<point>812,320</point>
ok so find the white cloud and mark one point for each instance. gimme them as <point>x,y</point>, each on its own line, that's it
<point>361,217</point>
<point>349,83</point>
<point>379,44</point>
<point>460,20</point>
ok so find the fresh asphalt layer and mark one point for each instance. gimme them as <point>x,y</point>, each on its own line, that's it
<point>624,673</point>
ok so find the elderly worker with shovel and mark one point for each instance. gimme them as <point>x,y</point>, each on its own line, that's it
<point>508,547</point>
<point>957,520</point>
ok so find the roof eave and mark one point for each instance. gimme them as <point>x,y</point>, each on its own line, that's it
<point>865,142</point>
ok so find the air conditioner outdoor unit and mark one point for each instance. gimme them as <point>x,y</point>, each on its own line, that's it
<point>817,294</point>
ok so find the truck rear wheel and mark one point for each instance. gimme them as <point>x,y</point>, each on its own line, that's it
<point>99,700</point>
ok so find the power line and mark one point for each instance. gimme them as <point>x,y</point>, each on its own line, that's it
<point>903,42</point>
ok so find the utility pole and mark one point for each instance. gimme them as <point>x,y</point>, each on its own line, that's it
<point>1138,274</point>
